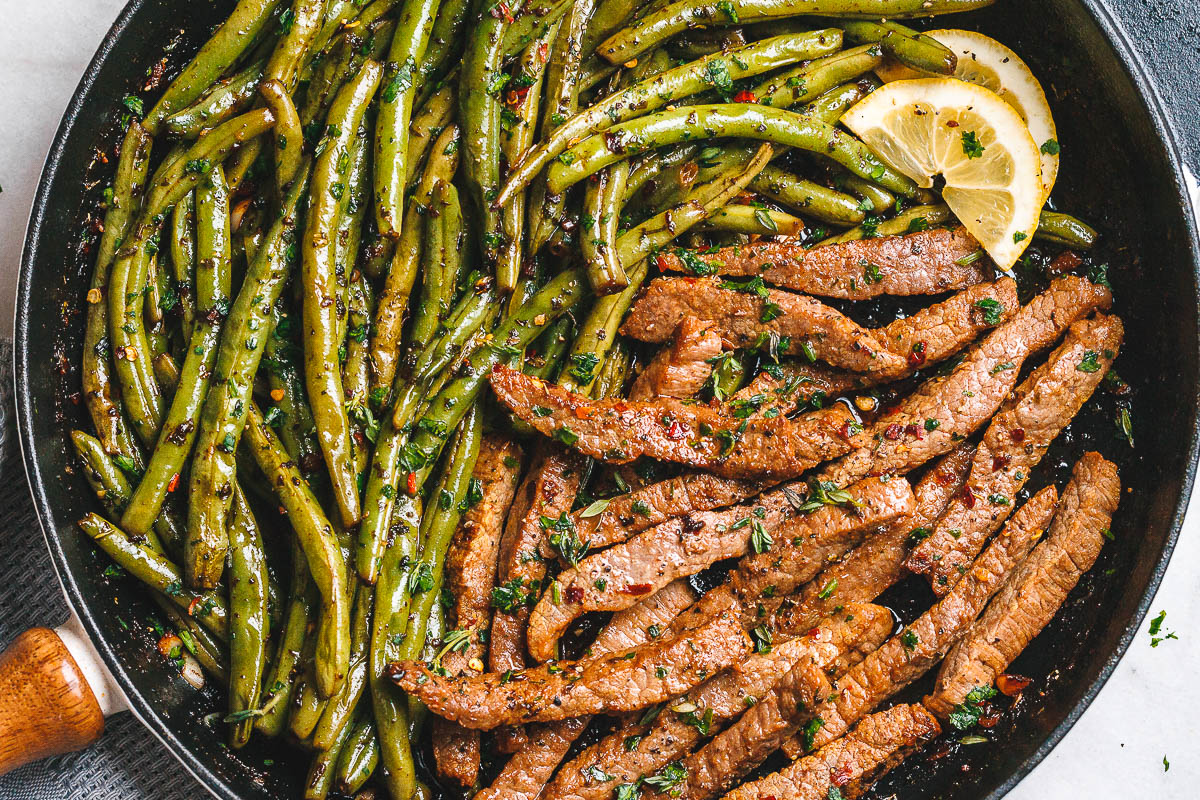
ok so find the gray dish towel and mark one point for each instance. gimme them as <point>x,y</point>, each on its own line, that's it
<point>128,763</point>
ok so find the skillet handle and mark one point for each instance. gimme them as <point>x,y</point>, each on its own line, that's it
<point>46,705</point>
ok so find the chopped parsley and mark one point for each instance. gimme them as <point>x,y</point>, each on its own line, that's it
<point>968,712</point>
<point>971,146</point>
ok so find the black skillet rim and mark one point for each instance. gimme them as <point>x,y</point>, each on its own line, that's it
<point>140,706</point>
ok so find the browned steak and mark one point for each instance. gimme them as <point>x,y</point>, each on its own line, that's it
<point>622,681</point>
<point>526,773</point>
<point>917,263</point>
<point>651,505</point>
<point>748,315</point>
<point>682,368</point>
<point>617,577</point>
<point>789,385</point>
<point>642,748</point>
<point>470,572</point>
<point>619,431</point>
<point>908,655</point>
<point>1037,588</point>
<point>872,567</point>
<point>1013,444</point>
<point>849,764</point>
<point>948,408</point>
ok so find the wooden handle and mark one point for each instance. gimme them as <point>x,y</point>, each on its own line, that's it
<point>46,705</point>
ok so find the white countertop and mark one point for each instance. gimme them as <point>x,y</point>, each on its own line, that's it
<point>1150,708</point>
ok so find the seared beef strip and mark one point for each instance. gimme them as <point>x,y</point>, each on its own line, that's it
<point>470,573</point>
<point>682,368</point>
<point>526,773</point>
<point>849,764</point>
<point>1014,443</point>
<point>907,656</point>
<point>871,568</point>
<point>640,749</point>
<point>1037,588</point>
<point>619,431</point>
<point>622,681</point>
<point>617,577</point>
<point>813,328</point>
<point>947,409</point>
<point>926,262</point>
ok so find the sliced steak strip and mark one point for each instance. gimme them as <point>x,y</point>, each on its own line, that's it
<point>949,408</point>
<point>917,263</point>
<point>526,773</point>
<point>871,568</point>
<point>470,573</point>
<point>617,577</point>
<point>850,764</point>
<point>813,328</point>
<point>622,681</point>
<point>641,749</point>
<point>790,385</point>
<point>656,503</point>
<point>682,368</point>
<point>1012,446</point>
<point>1037,588</point>
<point>619,431</point>
<point>908,655</point>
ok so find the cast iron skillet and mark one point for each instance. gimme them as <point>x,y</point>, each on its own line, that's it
<point>1121,169</point>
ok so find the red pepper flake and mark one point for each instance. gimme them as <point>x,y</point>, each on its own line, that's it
<point>174,483</point>
<point>637,589</point>
<point>917,357</point>
<point>847,430</point>
<point>1066,261</point>
<point>1000,462</point>
<point>967,496</point>
<point>814,633</point>
<point>192,605</point>
<point>677,431</point>
<point>745,96</point>
<point>662,262</point>
<point>1017,435</point>
<point>574,594</point>
<point>842,775</point>
<point>411,483</point>
<point>893,431</point>
<point>915,431</point>
<point>503,8</point>
<point>1012,685</point>
<point>585,412</point>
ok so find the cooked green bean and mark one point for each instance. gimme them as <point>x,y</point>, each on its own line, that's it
<point>395,111</point>
<point>323,298</point>
<point>445,43</point>
<point>356,372</point>
<point>435,290</point>
<point>901,223</point>
<point>608,18</point>
<point>242,343</point>
<point>598,229</point>
<point>911,48</point>
<point>235,35</point>
<point>292,48</point>
<point>668,87</point>
<point>875,198</point>
<point>427,124</point>
<point>831,105</point>
<point>351,212</point>
<point>286,382</point>
<point>289,136</point>
<point>534,22</point>
<point>324,767</point>
<point>183,258</point>
<point>720,121</point>
<point>131,350</point>
<point>360,756</point>
<point>340,708</point>
<point>280,682</point>
<point>1065,230</point>
<point>750,219</point>
<point>825,204</point>
<point>207,649</point>
<point>806,82</point>
<point>225,99</point>
<point>325,560</point>
<point>249,626</point>
<point>158,573</point>
<point>651,165</point>
<point>676,17</point>
<point>127,188</point>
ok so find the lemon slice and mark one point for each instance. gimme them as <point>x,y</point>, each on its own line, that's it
<point>988,63</point>
<point>978,144</point>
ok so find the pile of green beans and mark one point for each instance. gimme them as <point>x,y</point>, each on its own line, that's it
<point>342,214</point>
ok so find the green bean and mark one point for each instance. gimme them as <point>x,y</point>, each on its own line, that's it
<point>293,46</point>
<point>178,432</point>
<point>705,42</point>
<point>916,50</point>
<point>427,123</point>
<point>286,382</point>
<point>360,756</point>
<point>676,17</point>
<point>397,287</point>
<point>289,136</point>
<point>593,71</point>
<point>827,205</point>
<point>280,682</point>
<point>249,626</point>
<point>435,289</point>
<point>608,18</point>
<point>806,82</point>
<point>157,572</point>
<point>166,372</point>
<point>749,219</point>
<point>651,165</point>
<point>876,197</point>
<point>534,22</point>
<point>183,258</point>
<point>453,237</point>
<point>127,334</point>
<point>610,382</point>
<point>240,164</point>
<point>718,121</point>
<point>307,703</point>
<point>127,187</point>
<point>326,562</point>
<point>547,350</point>
<point>445,43</point>
<point>831,105</point>
<point>322,296</point>
<point>598,230</point>
<point>342,64</point>
<point>324,767</point>
<point>391,620</point>
<point>225,99</point>
<point>395,110</point>
<point>1065,230</point>
<point>338,712</point>
<point>473,312</point>
<point>235,35</point>
<point>207,649</point>
<point>926,215</point>
<point>351,211</point>
<point>669,87</point>
<point>356,372</point>
<point>242,343</point>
